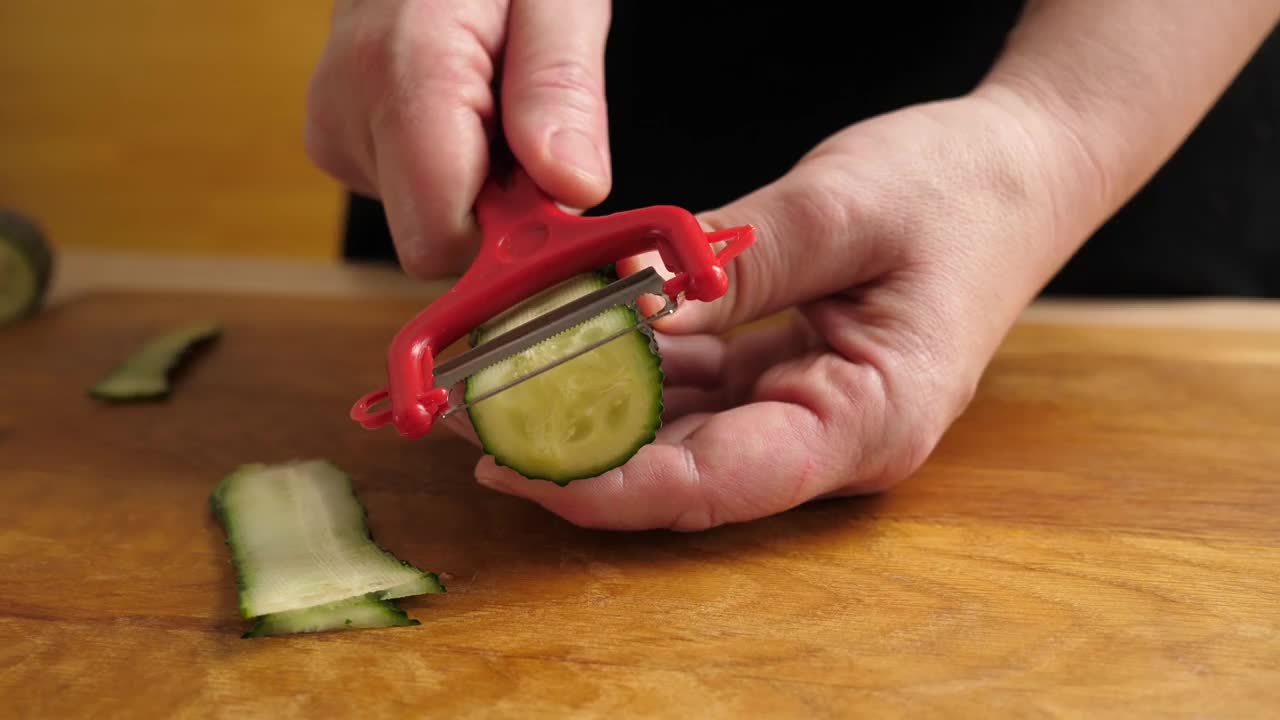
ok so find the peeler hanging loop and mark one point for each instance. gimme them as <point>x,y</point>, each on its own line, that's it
<point>362,411</point>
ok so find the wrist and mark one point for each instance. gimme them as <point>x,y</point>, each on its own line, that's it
<point>1078,184</point>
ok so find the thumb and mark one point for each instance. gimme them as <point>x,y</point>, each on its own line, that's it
<point>553,100</point>
<point>811,240</point>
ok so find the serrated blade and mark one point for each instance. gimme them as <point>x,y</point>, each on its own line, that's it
<point>515,341</point>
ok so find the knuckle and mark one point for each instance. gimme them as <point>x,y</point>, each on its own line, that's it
<point>449,78</point>
<point>820,210</point>
<point>700,507</point>
<point>807,229</point>
<point>371,54</point>
<point>571,82</point>
<point>317,146</point>
<point>694,519</point>
<point>428,258</point>
<point>395,68</point>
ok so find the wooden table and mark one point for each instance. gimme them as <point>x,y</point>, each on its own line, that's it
<point>1098,536</point>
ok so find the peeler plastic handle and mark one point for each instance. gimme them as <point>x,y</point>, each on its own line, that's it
<point>529,244</point>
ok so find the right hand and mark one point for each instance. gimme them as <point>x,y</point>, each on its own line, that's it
<point>401,103</point>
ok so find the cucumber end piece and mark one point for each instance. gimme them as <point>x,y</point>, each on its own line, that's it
<point>26,267</point>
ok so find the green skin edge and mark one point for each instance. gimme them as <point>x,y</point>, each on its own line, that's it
<point>218,510</point>
<point>643,334</point>
<point>265,626</point>
<point>200,335</point>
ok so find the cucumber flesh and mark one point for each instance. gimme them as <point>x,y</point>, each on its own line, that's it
<point>360,613</point>
<point>582,418</point>
<point>147,374</point>
<point>299,540</point>
<point>26,266</point>
<point>428,584</point>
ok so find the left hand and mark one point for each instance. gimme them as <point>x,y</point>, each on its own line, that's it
<point>908,244</point>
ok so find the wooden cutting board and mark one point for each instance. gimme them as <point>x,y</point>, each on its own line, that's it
<point>1099,535</point>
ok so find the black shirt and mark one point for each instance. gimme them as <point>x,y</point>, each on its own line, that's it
<point>677,76</point>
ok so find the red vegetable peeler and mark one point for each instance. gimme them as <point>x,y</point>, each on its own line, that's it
<point>529,244</point>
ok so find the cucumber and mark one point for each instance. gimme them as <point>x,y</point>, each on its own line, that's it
<point>582,418</point>
<point>428,584</point>
<point>147,374</point>
<point>26,265</point>
<point>301,547</point>
<point>371,611</point>
<point>362,613</point>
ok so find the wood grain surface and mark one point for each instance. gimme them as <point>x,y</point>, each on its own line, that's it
<point>1097,537</point>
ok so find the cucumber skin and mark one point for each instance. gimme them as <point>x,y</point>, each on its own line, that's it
<point>608,274</point>
<point>201,335</point>
<point>278,624</point>
<point>218,509</point>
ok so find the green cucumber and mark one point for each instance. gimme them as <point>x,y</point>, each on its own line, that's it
<point>362,613</point>
<point>300,543</point>
<point>26,266</point>
<point>147,373</point>
<point>582,418</point>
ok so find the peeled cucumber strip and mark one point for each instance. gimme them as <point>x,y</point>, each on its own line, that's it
<point>428,584</point>
<point>360,613</point>
<point>147,374</point>
<point>374,610</point>
<point>26,266</point>
<point>299,539</point>
<point>583,418</point>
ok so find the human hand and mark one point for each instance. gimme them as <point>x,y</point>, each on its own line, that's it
<point>401,105</point>
<point>907,244</point>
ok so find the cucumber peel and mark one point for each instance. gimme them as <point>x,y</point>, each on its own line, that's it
<point>147,373</point>
<point>578,420</point>
<point>303,555</point>
<point>26,266</point>
<point>362,613</point>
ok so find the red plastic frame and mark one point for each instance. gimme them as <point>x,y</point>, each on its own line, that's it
<point>529,245</point>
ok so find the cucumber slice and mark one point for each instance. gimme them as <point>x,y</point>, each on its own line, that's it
<point>26,265</point>
<point>300,539</point>
<point>147,373</point>
<point>583,418</point>
<point>360,613</point>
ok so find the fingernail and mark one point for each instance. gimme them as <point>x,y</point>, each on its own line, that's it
<point>575,149</point>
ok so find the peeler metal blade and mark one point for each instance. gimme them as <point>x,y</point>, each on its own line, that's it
<point>515,341</point>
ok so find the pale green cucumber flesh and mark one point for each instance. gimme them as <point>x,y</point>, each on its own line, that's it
<point>147,373</point>
<point>582,418</point>
<point>26,265</point>
<point>362,613</point>
<point>299,539</point>
<point>428,584</point>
